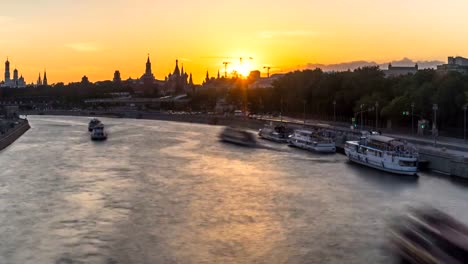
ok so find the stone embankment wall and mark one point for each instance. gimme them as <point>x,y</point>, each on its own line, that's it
<point>13,134</point>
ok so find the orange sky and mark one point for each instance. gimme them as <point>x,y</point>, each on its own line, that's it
<point>95,38</point>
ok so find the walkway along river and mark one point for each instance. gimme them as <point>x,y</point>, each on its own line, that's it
<point>164,192</point>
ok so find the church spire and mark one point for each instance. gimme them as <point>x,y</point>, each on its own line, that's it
<point>218,74</point>
<point>176,70</point>
<point>207,77</point>
<point>44,82</point>
<point>148,71</point>
<point>39,81</point>
<point>190,79</point>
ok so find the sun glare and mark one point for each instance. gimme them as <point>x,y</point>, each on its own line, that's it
<point>243,69</point>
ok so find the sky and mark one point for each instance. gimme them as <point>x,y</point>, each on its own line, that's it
<point>72,38</point>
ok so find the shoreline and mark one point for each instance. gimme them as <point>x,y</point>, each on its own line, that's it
<point>13,134</point>
<point>187,118</point>
<point>438,160</point>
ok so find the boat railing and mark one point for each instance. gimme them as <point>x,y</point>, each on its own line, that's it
<point>404,154</point>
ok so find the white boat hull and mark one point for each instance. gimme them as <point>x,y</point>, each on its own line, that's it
<point>320,147</point>
<point>273,138</point>
<point>380,164</point>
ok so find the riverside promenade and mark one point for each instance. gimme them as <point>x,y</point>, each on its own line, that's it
<point>11,130</point>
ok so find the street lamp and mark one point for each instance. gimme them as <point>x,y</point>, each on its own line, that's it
<point>376,115</point>
<point>435,107</point>
<point>334,110</point>
<point>464,123</point>
<point>362,105</point>
<point>281,110</point>
<point>304,111</point>
<point>412,118</point>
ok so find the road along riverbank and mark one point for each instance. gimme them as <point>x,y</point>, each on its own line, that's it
<point>13,133</point>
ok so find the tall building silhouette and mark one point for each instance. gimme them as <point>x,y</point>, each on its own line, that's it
<point>148,77</point>
<point>117,78</point>
<point>7,72</point>
<point>16,82</point>
<point>39,80</point>
<point>44,82</point>
<point>177,81</point>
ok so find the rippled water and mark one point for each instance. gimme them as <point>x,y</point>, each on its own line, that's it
<point>162,192</point>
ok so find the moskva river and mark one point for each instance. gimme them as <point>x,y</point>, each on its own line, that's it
<point>163,192</point>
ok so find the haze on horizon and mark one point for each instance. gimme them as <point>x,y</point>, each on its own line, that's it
<point>95,38</point>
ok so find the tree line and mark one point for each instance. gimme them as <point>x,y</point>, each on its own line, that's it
<point>324,94</point>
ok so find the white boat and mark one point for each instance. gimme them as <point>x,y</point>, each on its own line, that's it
<point>384,153</point>
<point>277,134</point>
<point>98,133</point>
<point>318,140</point>
<point>238,137</point>
<point>94,122</point>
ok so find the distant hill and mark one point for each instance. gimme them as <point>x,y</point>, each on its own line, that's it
<point>356,64</point>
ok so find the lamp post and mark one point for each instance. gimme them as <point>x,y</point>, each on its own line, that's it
<point>435,107</point>
<point>281,110</point>
<point>464,123</point>
<point>334,110</point>
<point>376,115</point>
<point>412,118</point>
<point>304,111</point>
<point>362,105</point>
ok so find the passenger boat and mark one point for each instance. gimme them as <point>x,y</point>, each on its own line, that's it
<point>238,137</point>
<point>317,140</point>
<point>98,133</point>
<point>279,134</point>
<point>426,235</point>
<point>94,122</point>
<point>384,153</point>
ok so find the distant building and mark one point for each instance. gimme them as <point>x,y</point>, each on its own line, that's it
<point>148,78</point>
<point>254,75</point>
<point>454,64</point>
<point>16,82</point>
<point>117,78</point>
<point>44,82</point>
<point>39,80</point>
<point>394,71</point>
<point>262,83</point>
<point>178,81</point>
<point>84,80</point>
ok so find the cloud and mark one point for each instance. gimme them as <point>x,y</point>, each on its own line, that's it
<point>292,33</point>
<point>83,46</point>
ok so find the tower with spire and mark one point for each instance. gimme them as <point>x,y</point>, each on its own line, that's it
<point>148,67</point>
<point>39,80</point>
<point>16,82</point>
<point>44,82</point>
<point>176,70</point>
<point>177,81</point>
<point>15,77</point>
<point>7,72</point>
<point>207,78</point>
<point>148,78</point>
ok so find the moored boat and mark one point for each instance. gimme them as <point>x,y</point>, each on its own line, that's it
<point>279,134</point>
<point>313,140</point>
<point>238,137</point>
<point>384,153</point>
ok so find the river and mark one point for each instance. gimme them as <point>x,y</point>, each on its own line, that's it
<point>164,192</point>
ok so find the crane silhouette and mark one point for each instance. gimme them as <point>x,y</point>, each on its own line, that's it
<point>226,63</point>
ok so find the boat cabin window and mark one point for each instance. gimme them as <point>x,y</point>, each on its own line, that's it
<point>407,163</point>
